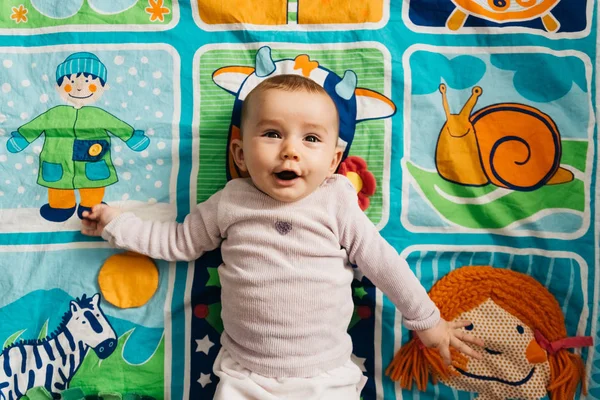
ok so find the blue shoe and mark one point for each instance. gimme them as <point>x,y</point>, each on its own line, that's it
<point>56,214</point>
<point>81,209</point>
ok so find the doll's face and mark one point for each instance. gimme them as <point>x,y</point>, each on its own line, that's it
<point>513,364</point>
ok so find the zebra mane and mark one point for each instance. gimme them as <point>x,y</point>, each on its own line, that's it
<point>84,303</point>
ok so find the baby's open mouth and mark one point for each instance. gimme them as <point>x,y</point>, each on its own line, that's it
<point>286,175</point>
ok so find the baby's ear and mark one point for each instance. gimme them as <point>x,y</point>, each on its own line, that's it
<point>237,152</point>
<point>335,161</point>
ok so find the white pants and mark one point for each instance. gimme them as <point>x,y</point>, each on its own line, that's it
<point>239,383</point>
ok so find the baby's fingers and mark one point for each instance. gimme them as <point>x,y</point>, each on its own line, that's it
<point>463,348</point>
<point>444,350</point>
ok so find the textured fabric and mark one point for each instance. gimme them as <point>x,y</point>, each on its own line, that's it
<point>239,383</point>
<point>285,276</point>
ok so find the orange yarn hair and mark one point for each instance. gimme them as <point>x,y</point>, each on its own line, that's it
<point>466,288</point>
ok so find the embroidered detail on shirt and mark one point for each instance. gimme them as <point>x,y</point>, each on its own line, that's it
<point>283,227</point>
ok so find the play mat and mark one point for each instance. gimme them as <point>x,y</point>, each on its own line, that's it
<point>469,130</point>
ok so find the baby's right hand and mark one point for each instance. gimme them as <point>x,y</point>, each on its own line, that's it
<point>95,221</point>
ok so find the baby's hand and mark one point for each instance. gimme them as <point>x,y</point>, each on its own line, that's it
<point>446,334</point>
<point>95,221</point>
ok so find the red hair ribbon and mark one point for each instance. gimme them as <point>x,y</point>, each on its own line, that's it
<point>565,343</point>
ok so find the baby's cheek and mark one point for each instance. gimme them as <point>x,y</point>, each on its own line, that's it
<point>93,88</point>
<point>68,88</point>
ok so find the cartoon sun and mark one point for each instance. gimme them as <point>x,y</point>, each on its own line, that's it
<point>128,280</point>
<point>523,328</point>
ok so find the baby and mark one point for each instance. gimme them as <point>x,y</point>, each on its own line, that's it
<point>288,235</point>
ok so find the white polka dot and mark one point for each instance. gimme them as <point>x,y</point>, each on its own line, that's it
<point>144,60</point>
<point>34,171</point>
<point>6,87</point>
<point>2,118</point>
<point>161,145</point>
<point>149,167</point>
<point>117,149</point>
<point>160,161</point>
<point>145,154</point>
<point>37,149</point>
<point>3,158</point>
<point>29,160</point>
<point>7,63</point>
<point>132,71</point>
<point>119,60</point>
<point>131,162</point>
<point>158,114</point>
<point>157,184</point>
<point>127,176</point>
<point>119,79</point>
<point>44,98</point>
<point>138,118</point>
<point>156,91</point>
<point>118,161</point>
<point>24,115</point>
<point>19,166</point>
<point>130,93</point>
<point>150,132</point>
<point>2,132</point>
<point>7,181</point>
<point>157,74</point>
<point>124,105</point>
<point>1,193</point>
<point>151,201</point>
<point>147,176</point>
<point>10,103</point>
<point>45,78</point>
<point>21,190</point>
<point>142,83</point>
<point>33,65</point>
<point>146,107</point>
<point>125,197</point>
<point>106,103</point>
<point>37,197</point>
<point>138,188</point>
<point>25,83</point>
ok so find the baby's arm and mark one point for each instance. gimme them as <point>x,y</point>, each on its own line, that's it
<point>169,241</point>
<point>382,264</point>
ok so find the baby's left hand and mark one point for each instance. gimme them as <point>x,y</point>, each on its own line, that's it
<point>446,334</point>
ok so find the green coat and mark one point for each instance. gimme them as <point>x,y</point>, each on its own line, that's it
<point>76,152</point>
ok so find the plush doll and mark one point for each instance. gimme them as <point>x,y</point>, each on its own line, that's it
<point>525,354</point>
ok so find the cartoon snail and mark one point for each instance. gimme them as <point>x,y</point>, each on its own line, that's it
<point>501,11</point>
<point>510,145</point>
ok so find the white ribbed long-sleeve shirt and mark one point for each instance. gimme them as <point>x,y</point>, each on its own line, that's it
<point>286,274</point>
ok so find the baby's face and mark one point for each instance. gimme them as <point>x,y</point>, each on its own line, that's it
<point>289,143</point>
<point>81,91</point>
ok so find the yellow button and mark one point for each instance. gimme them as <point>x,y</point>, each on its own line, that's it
<point>95,149</point>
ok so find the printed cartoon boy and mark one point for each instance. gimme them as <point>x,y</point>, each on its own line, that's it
<point>76,152</point>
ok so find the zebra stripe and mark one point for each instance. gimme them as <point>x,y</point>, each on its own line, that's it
<point>70,339</point>
<point>38,359</point>
<point>49,375</point>
<point>49,351</point>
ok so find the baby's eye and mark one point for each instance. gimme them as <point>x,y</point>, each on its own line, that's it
<point>312,139</point>
<point>520,329</point>
<point>272,135</point>
<point>469,327</point>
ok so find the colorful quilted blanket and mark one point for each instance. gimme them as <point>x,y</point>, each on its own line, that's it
<point>469,132</point>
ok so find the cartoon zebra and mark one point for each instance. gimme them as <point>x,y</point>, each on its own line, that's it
<point>51,362</point>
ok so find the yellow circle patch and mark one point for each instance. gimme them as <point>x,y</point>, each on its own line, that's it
<point>128,280</point>
<point>95,149</point>
<point>356,180</point>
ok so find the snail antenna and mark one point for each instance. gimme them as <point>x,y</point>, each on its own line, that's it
<point>445,100</point>
<point>470,105</point>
